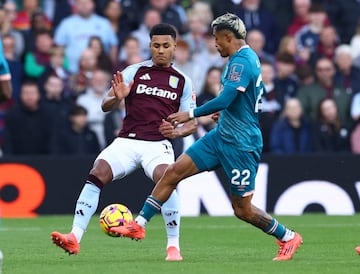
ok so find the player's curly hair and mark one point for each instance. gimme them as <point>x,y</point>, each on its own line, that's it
<point>230,22</point>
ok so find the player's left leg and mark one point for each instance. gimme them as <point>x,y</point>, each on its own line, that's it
<point>241,167</point>
<point>171,214</point>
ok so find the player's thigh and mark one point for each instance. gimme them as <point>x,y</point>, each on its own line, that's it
<point>205,152</point>
<point>121,155</point>
<point>241,168</point>
<point>155,155</point>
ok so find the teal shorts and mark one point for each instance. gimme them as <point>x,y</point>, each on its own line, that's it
<point>210,152</point>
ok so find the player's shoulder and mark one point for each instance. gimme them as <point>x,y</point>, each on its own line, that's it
<point>135,67</point>
<point>181,73</point>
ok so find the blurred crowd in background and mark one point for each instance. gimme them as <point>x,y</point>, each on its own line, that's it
<point>62,55</point>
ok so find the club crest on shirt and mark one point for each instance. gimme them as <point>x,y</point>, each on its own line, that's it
<point>173,81</point>
<point>235,72</point>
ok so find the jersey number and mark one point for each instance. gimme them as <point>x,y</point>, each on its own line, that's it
<point>258,99</point>
<point>237,174</point>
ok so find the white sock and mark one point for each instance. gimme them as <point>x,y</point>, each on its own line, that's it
<point>289,235</point>
<point>141,221</point>
<point>86,206</point>
<point>170,211</point>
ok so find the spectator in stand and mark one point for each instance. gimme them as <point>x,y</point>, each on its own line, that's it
<point>183,61</point>
<point>78,82</point>
<point>131,52</point>
<point>55,101</point>
<point>15,65</point>
<point>36,61</point>
<point>324,87</point>
<point>288,45</point>
<point>291,133</point>
<point>270,107</point>
<point>57,10</point>
<point>180,11</point>
<point>130,12</point>
<point>197,30</point>
<point>355,46</point>
<point>344,15</point>
<point>37,25</point>
<point>75,137</point>
<point>209,56</point>
<point>22,21</point>
<point>92,99</point>
<point>204,10</point>
<point>330,134</point>
<point>256,40</point>
<point>282,11</point>
<point>305,75</point>
<point>309,35</point>
<point>328,41</point>
<point>285,81</point>
<point>103,59</point>
<point>257,17</point>
<point>208,92</point>
<point>7,16</point>
<point>347,75</point>
<point>151,18</point>
<point>113,122</point>
<point>119,20</point>
<point>28,125</point>
<point>58,66</point>
<point>355,115</point>
<point>168,14</point>
<point>301,10</point>
<point>76,39</point>
<point>221,7</point>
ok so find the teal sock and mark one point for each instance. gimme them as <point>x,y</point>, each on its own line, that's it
<point>150,208</point>
<point>276,229</point>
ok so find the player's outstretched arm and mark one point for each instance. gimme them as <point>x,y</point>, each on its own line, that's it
<point>179,117</point>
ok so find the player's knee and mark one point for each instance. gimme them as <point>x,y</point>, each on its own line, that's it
<point>174,174</point>
<point>242,213</point>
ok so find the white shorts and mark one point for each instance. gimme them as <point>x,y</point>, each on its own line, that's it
<point>126,155</point>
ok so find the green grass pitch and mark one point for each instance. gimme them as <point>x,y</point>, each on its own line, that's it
<point>209,245</point>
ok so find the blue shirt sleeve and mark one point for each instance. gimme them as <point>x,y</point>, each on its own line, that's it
<point>222,101</point>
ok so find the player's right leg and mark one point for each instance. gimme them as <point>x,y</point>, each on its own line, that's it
<point>85,208</point>
<point>106,164</point>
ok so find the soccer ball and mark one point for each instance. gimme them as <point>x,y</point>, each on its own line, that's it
<point>114,215</point>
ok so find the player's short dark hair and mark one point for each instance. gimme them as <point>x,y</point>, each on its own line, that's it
<point>163,29</point>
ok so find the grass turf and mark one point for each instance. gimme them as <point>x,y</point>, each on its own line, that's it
<point>209,245</point>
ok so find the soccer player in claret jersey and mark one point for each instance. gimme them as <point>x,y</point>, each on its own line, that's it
<point>152,90</point>
<point>235,144</point>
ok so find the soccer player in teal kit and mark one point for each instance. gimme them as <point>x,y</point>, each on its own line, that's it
<point>235,144</point>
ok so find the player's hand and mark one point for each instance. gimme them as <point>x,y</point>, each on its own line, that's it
<point>167,129</point>
<point>178,118</point>
<point>215,116</point>
<point>121,90</point>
